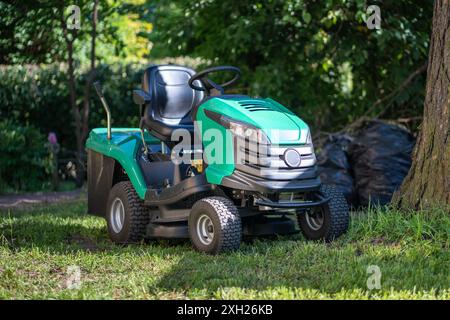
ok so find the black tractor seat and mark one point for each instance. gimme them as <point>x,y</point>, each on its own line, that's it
<point>167,101</point>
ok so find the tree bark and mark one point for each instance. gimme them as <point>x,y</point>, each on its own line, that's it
<point>428,181</point>
<point>80,115</point>
<point>90,78</point>
<point>69,37</point>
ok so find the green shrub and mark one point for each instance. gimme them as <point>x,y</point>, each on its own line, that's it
<point>25,161</point>
<point>35,100</point>
<point>39,96</point>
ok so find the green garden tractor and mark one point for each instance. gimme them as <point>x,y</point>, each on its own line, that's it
<point>208,166</point>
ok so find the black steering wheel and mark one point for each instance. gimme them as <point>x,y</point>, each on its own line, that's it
<point>209,86</point>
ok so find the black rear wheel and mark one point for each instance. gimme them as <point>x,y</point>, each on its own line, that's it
<point>127,217</point>
<point>329,221</point>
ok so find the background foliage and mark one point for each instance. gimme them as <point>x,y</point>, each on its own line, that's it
<point>25,161</point>
<point>38,96</point>
<point>318,57</point>
<point>30,31</point>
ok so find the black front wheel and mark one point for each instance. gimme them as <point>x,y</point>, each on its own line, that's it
<point>215,225</point>
<point>329,221</point>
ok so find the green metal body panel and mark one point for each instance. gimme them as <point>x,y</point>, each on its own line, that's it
<point>224,165</point>
<point>122,147</point>
<point>274,121</point>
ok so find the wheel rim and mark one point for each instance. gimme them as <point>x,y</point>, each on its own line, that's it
<point>314,219</point>
<point>117,215</point>
<point>205,229</point>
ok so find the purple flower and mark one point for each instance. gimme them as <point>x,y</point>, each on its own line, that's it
<point>52,138</point>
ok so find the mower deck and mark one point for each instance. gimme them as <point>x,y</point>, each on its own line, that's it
<point>252,227</point>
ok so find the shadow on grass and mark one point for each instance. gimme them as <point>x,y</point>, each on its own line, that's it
<point>286,266</point>
<point>63,229</point>
<point>59,228</point>
<point>282,265</point>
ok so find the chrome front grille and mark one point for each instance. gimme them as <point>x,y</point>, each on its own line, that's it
<point>272,156</point>
<point>267,161</point>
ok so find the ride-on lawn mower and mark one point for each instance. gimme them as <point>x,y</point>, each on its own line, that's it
<point>208,166</point>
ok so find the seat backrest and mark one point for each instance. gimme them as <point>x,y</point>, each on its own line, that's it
<point>171,97</point>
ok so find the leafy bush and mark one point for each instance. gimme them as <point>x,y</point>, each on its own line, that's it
<point>25,161</point>
<point>39,96</point>
<point>35,99</point>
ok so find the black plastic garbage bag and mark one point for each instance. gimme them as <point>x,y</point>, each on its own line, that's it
<point>334,166</point>
<point>380,157</point>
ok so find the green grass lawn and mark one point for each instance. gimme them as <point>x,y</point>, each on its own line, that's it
<point>37,246</point>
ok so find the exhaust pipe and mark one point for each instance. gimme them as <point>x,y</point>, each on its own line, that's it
<point>99,89</point>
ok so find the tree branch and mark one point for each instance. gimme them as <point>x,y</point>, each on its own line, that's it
<point>390,97</point>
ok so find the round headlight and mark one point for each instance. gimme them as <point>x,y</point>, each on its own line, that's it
<point>292,158</point>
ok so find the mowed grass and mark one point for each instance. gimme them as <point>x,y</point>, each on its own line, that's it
<point>38,246</point>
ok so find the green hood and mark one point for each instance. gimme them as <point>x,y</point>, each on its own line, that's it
<point>278,123</point>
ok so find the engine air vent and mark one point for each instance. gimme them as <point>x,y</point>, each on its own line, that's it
<point>255,105</point>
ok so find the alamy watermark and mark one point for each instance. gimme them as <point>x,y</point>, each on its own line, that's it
<point>243,145</point>
<point>373,17</point>
<point>374,280</point>
<point>73,280</point>
<point>74,19</point>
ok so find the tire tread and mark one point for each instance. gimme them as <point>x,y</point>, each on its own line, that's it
<point>231,228</point>
<point>138,213</point>
<point>339,212</point>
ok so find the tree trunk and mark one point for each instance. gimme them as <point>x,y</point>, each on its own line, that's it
<point>90,78</point>
<point>428,181</point>
<point>80,115</point>
<point>70,37</point>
